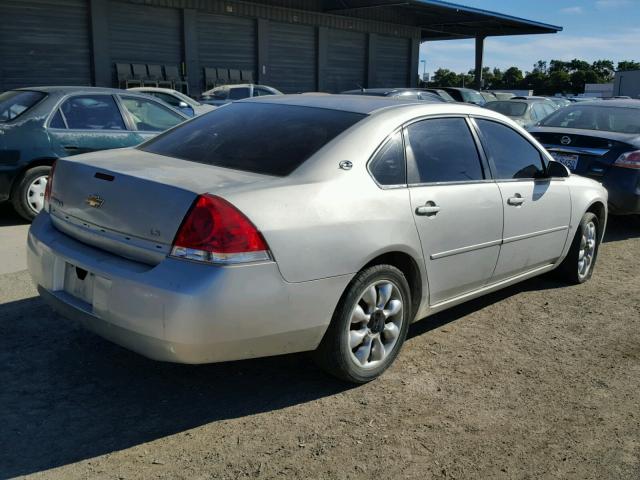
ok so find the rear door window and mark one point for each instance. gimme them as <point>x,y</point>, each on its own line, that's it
<point>239,93</point>
<point>150,116</point>
<point>92,112</point>
<point>264,138</point>
<point>15,102</point>
<point>57,121</point>
<point>443,150</point>
<point>513,156</point>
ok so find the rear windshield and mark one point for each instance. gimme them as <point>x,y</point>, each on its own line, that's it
<point>510,109</point>
<point>472,96</point>
<point>256,137</point>
<point>596,117</point>
<point>15,102</point>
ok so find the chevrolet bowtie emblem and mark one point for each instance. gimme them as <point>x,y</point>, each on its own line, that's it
<point>94,201</point>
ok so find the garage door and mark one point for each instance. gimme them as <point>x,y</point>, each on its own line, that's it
<point>143,34</point>
<point>346,60</point>
<point>392,62</point>
<point>228,42</point>
<point>292,57</point>
<point>44,42</point>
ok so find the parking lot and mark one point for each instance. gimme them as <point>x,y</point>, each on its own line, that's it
<point>536,381</point>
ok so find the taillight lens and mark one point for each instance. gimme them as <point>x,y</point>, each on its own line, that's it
<point>215,231</point>
<point>629,160</point>
<point>47,189</point>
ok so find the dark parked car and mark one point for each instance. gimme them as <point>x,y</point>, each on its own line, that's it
<point>441,93</point>
<point>600,140</point>
<point>228,93</point>
<point>402,93</point>
<point>524,112</point>
<point>466,95</point>
<point>40,124</point>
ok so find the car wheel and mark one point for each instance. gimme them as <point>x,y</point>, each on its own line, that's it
<point>578,265</point>
<point>27,196</point>
<point>368,327</point>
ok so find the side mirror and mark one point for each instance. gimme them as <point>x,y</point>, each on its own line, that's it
<point>557,170</point>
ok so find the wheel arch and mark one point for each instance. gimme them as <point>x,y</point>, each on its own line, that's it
<point>599,209</point>
<point>411,270</point>
<point>38,162</point>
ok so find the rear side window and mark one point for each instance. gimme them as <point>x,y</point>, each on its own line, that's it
<point>388,166</point>
<point>513,156</point>
<point>57,121</point>
<point>15,102</point>
<point>92,112</point>
<point>263,138</point>
<point>443,150</point>
<point>150,116</point>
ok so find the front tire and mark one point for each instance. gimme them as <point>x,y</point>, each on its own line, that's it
<point>27,196</point>
<point>578,265</point>
<point>368,327</point>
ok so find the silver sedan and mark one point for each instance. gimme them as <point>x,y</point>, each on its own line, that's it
<point>307,222</point>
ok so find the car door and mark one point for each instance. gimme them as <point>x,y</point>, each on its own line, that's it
<point>537,209</point>
<point>147,117</point>
<point>87,123</point>
<point>456,205</point>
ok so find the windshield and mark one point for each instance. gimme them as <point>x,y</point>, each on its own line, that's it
<point>15,102</point>
<point>510,109</point>
<point>596,117</point>
<point>185,99</point>
<point>257,137</point>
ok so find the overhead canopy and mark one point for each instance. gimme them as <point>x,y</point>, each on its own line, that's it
<point>439,20</point>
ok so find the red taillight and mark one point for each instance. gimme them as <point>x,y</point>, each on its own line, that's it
<point>215,231</point>
<point>47,189</point>
<point>629,160</point>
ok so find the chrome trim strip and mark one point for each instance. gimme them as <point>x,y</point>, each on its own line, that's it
<point>534,234</point>
<point>493,243</point>
<point>470,248</point>
<point>579,150</point>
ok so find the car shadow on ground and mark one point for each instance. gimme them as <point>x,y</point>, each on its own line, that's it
<point>622,227</point>
<point>9,217</point>
<point>66,395</point>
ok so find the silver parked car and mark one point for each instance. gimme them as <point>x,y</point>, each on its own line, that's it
<point>178,100</point>
<point>525,112</point>
<point>306,222</point>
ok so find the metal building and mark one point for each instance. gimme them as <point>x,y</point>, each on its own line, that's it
<point>293,45</point>
<point>627,84</point>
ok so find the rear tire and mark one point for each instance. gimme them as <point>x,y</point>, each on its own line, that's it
<point>368,327</point>
<point>27,196</point>
<point>578,265</point>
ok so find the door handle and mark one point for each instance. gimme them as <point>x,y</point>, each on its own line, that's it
<point>429,209</point>
<point>71,147</point>
<point>517,200</point>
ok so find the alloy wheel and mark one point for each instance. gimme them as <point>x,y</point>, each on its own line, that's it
<point>587,249</point>
<point>376,322</point>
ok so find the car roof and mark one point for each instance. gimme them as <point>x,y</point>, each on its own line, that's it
<point>614,102</point>
<point>151,89</point>
<point>364,104</point>
<point>364,91</point>
<point>519,100</point>
<point>69,88</point>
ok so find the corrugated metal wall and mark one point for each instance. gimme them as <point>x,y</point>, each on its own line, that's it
<point>346,60</point>
<point>292,57</point>
<point>392,59</point>
<point>226,41</point>
<point>143,34</point>
<point>44,42</point>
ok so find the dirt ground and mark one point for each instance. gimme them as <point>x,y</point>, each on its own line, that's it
<point>537,381</point>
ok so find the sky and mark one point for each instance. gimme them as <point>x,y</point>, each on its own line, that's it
<point>593,30</point>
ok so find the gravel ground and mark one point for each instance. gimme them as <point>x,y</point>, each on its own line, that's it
<point>537,381</point>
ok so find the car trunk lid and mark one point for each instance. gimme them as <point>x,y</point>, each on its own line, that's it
<point>132,202</point>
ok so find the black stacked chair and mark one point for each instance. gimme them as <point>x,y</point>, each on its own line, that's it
<point>155,74</point>
<point>247,76</point>
<point>223,76</point>
<point>210,78</point>
<point>125,77</point>
<point>140,73</point>
<point>234,75</point>
<point>172,75</point>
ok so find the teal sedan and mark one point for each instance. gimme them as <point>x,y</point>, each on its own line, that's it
<point>41,124</point>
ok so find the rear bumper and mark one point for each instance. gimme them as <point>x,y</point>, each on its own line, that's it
<point>181,311</point>
<point>623,185</point>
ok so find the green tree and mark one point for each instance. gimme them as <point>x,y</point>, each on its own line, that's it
<point>512,77</point>
<point>444,78</point>
<point>627,65</point>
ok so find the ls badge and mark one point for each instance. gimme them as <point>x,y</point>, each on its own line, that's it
<point>94,201</point>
